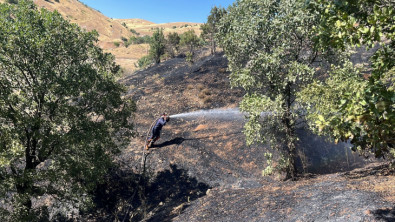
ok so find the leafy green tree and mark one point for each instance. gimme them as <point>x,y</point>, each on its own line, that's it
<point>209,29</point>
<point>350,106</point>
<point>191,41</point>
<point>157,45</point>
<point>173,41</point>
<point>62,114</point>
<point>271,54</point>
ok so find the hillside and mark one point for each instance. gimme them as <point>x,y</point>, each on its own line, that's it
<point>144,27</point>
<point>202,170</point>
<point>87,18</point>
<point>112,30</point>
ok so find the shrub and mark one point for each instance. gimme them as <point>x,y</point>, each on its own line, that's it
<point>144,61</point>
<point>134,32</point>
<point>140,40</point>
<point>189,57</point>
<point>157,45</point>
<point>117,44</point>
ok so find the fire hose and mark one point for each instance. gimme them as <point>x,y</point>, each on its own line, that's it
<point>142,165</point>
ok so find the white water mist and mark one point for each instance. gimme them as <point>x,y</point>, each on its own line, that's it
<point>212,113</point>
<point>231,113</point>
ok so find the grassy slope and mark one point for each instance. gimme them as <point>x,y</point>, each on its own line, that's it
<point>112,30</point>
<point>146,27</point>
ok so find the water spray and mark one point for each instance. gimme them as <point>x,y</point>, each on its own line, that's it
<point>212,113</point>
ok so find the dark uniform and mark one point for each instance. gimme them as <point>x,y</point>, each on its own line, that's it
<point>155,133</point>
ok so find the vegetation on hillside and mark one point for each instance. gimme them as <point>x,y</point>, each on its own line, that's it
<point>210,28</point>
<point>191,41</point>
<point>356,103</point>
<point>157,45</point>
<point>62,114</point>
<point>279,52</point>
<point>272,69</point>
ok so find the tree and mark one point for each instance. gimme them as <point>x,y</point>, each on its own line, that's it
<point>173,41</point>
<point>191,40</point>
<point>271,55</point>
<point>157,45</point>
<point>350,106</point>
<point>209,29</point>
<point>62,114</point>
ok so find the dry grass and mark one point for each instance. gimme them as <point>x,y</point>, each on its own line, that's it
<point>112,30</point>
<point>144,27</point>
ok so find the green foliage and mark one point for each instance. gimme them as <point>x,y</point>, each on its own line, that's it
<point>157,45</point>
<point>139,39</point>
<point>358,108</point>
<point>270,52</point>
<point>191,40</point>
<point>172,43</point>
<point>210,29</point>
<point>144,61</point>
<point>134,32</point>
<point>117,44</point>
<point>62,114</point>
<point>12,1</point>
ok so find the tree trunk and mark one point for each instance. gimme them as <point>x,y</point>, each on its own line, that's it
<point>212,44</point>
<point>291,171</point>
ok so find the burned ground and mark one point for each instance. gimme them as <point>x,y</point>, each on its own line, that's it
<point>201,169</point>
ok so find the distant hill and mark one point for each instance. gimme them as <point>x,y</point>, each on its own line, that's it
<point>88,18</point>
<point>112,30</point>
<point>144,27</point>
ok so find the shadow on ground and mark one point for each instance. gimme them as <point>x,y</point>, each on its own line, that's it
<point>129,197</point>
<point>387,214</point>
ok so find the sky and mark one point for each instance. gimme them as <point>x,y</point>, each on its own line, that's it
<point>158,11</point>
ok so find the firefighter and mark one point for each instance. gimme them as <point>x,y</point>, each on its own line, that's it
<point>155,133</point>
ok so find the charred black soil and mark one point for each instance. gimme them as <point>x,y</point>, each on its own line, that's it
<point>201,169</point>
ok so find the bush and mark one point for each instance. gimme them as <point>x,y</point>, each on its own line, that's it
<point>134,32</point>
<point>144,62</point>
<point>157,45</point>
<point>140,40</point>
<point>117,44</point>
<point>189,57</point>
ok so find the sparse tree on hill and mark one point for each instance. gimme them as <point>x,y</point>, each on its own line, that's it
<point>191,40</point>
<point>62,115</point>
<point>173,41</point>
<point>157,45</point>
<point>209,29</point>
<point>270,51</point>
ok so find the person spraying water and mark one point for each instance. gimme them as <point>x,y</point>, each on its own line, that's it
<point>156,129</point>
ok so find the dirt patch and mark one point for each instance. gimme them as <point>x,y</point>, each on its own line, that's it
<point>200,127</point>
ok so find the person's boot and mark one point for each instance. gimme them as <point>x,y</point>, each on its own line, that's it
<point>148,144</point>
<point>151,143</point>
